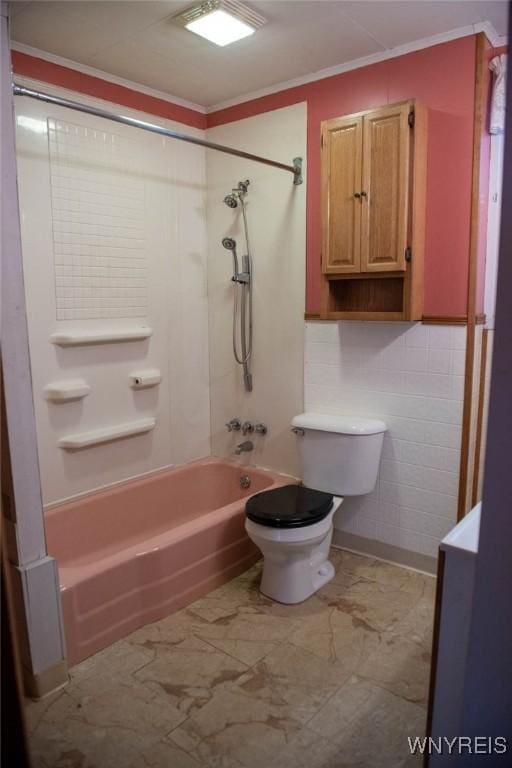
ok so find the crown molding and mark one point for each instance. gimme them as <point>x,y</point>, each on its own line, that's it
<point>365,61</point>
<point>86,70</point>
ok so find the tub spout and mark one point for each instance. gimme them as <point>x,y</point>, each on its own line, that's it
<point>244,447</point>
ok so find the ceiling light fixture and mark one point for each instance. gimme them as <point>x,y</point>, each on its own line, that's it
<point>221,21</point>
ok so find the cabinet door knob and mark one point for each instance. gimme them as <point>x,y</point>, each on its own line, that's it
<point>357,194</point>
<point>363,194</point>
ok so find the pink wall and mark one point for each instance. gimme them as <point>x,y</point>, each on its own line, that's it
<point>64,77</point>
<point>442,77</point>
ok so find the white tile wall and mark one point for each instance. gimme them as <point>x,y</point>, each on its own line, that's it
<point>411,375</point>
<point>98,223</point>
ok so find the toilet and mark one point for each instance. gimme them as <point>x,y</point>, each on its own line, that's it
<point>292,525</point>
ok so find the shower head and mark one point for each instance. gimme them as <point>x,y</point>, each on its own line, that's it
<point>231,200</point>
<point>230,245</point>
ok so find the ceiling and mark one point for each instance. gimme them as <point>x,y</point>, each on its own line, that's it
<point>140,42</point>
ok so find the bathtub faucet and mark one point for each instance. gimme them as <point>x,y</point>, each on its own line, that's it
<point>244,447</point>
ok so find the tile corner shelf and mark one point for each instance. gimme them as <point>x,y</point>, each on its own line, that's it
<point>66,391</point>
<point>82,440</point>
<point>81,338</point>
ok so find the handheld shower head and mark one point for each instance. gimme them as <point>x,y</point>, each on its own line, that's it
<point>231,200</point>
<point>229,244</point>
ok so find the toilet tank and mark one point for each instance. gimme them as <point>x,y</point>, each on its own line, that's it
<point>339,454</point>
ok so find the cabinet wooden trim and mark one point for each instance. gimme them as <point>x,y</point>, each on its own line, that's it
<point>386,174</point>
<point>414,292</point>
<point>341,182</point>
<point>363,316</point>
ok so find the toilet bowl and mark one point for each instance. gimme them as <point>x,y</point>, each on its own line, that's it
<point>295,558</point>
<point>293,525</point>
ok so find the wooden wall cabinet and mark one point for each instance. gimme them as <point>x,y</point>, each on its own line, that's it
<point>373,214</point>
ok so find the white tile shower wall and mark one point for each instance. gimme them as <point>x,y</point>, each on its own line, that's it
<point>98,222</point>
<point>412,376</point>
<point>171,179</point>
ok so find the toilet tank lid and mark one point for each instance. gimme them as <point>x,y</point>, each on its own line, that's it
<point>344,425</point>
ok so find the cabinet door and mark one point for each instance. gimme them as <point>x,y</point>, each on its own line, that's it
<point>341,201</point>
<point>385,188</point>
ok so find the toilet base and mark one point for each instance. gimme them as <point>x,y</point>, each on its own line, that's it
<point>292,577</point>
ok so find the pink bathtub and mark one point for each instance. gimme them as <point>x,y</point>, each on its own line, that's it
<point>137,552</point>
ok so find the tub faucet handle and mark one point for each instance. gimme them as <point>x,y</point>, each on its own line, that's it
<point>247,428</point>
<point>234,425</point>
<point>261,429</point>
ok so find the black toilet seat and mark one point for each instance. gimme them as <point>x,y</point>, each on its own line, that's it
<point>290,506</point>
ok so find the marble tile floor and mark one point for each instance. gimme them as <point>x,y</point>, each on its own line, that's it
<point>238,681</point>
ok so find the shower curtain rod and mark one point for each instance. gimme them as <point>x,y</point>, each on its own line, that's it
<point>296,168</point>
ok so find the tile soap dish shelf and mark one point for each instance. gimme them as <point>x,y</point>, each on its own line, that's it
<point>81,338</point>
<point>106,434</point>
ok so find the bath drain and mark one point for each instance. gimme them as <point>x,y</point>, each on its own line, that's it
<point>245,481</point>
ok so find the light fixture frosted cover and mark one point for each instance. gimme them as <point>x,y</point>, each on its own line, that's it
<point>220,27</point>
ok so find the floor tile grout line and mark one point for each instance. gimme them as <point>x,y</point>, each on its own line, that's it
<point>379,684</point>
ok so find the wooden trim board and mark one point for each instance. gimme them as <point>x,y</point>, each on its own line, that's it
<point>480,418</point>
<point>480,117</point>
<point>426,319</point>
<point>435,647</point>
<point>444,319</point>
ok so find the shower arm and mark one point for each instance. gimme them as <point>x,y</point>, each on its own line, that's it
<point>296,168</point>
